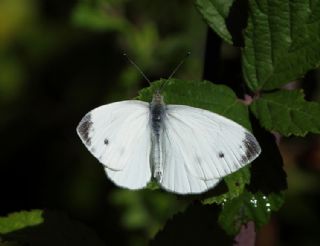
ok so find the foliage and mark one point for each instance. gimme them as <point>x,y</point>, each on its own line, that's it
<point>20,220</point>
<point>276,51</point>
<point>248,207</point>
<point>55,69</point>
<point>288,113</point>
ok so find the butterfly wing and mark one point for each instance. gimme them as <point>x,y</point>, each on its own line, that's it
<point>201,147</point>
<point>118,135</point>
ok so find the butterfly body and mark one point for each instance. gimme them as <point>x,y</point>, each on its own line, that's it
<point>186,149</point>
<point>157,114</point>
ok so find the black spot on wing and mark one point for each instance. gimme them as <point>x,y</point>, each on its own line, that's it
<point>251,147</point>
<point>106,141</point>
<point>84,128</point>
<point>221,155</point>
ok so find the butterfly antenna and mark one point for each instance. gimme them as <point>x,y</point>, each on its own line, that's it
<point>179,65</point>
<point>176,69</point>
<point>136,66</point>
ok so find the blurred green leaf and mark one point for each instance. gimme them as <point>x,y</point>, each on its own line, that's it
<point>56,228</point>
<point>248,207</point>
<point>20,220</point>
<point>145,209</point>
<point>281,41</point>
<point>215,13</point>
<point>216,98</point>
<point>99,16</point>
<point>287,112</point>
<point>15,16</point>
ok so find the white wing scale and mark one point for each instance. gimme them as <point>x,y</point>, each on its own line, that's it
<point>118,135</point>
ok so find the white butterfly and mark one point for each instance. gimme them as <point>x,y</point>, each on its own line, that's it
<point>186,149</point>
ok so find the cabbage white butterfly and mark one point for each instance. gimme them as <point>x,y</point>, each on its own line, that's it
<point>186,149</point>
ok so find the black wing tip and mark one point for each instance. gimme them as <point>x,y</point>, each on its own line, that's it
<point>84,127</point>
<point>252,148</point>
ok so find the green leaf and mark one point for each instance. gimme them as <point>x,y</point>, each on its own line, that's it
<point>20,220</point>
<point>101,16</point>
<point>248,207</point>
<point>281,42</point>
<point>49,228</point>
<point>216,98</point>
<point>201,94</point>
<point>236,184</point>
<point>215,13</point>
<point>287,112</point>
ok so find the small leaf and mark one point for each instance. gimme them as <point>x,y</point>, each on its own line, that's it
<point>287,112</point>
<point>54,229</point>
<point>281,42</point>
<point>249,207</point>
<point>20,220</point>
<point>215,13</point>
<point>216,98</point>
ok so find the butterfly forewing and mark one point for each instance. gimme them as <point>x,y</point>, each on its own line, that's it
<point>118,135</point>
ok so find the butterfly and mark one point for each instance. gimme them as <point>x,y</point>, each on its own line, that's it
<point>187,150</point>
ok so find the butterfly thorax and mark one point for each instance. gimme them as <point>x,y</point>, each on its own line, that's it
<point>157,108</point>
<point>157,113</point>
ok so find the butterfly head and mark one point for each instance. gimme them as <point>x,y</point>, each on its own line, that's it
<point>157,97</point>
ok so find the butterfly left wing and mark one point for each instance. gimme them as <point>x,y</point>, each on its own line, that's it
<point>118,135</point>
<point>201,147</point>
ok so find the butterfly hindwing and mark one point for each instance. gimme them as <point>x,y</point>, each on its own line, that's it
<point>204,146</point>
<point>118,135</point>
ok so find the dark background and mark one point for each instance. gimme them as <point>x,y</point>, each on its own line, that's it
<point>60,59</point>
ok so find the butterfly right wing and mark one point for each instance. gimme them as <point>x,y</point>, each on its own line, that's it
<point>200,147</point>
<point>118,135</point>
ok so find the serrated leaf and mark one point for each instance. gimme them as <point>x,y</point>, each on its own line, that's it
<point>216,98</point>
<point>281,41</point>
<point>287,112</point>
<point>20,220</point>
<point>248,207</point>
<point>215,13</point>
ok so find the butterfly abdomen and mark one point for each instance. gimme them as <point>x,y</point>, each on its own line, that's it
<point>157,112</point>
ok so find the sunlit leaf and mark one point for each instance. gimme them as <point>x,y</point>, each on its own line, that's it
<point>20,220</point>
<point>49,228</point>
